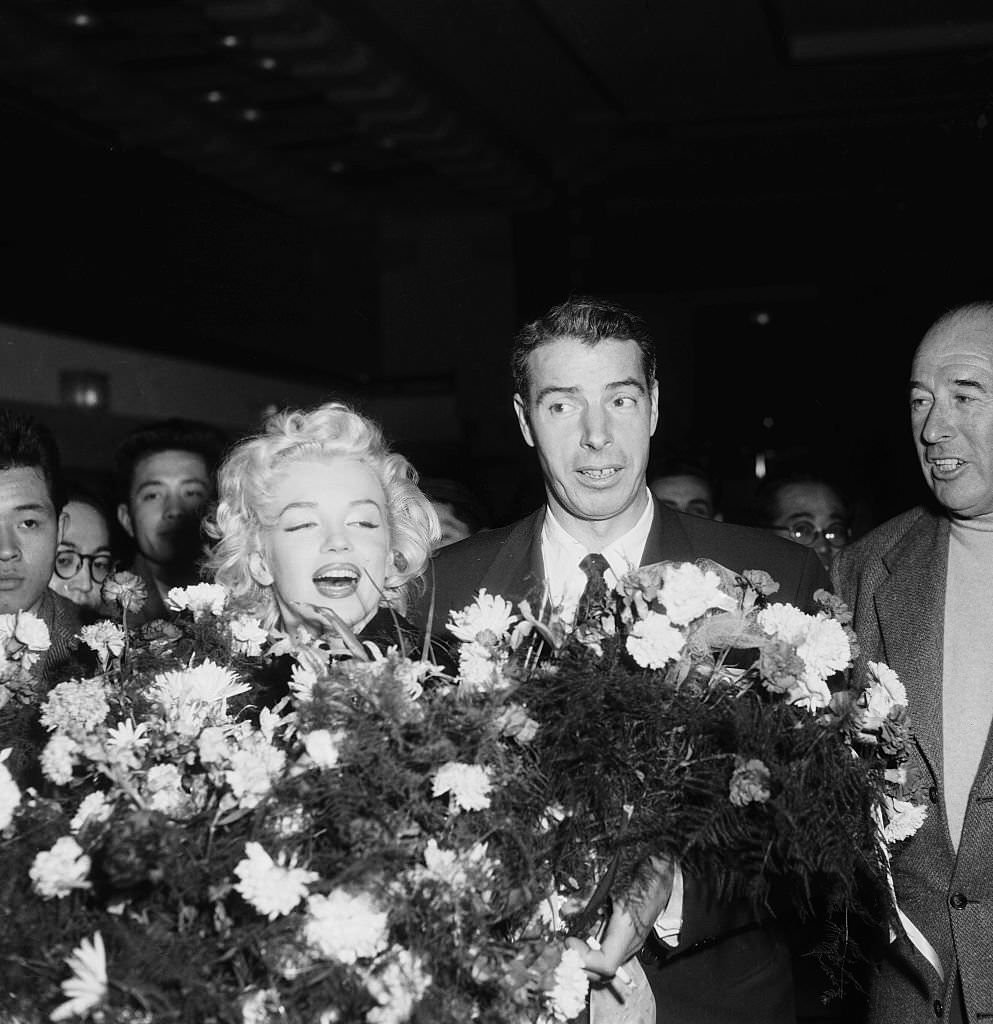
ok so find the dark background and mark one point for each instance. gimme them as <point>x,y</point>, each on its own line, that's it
<point>371,195</point>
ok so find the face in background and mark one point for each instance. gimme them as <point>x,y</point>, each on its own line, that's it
<point>951,413</point>
<point>685,493</point>
<point>169,491</point>
<point>590,416</point>
<point>86,534</point>
<point>29,532</point>
<point>326,542</point>
<point>812,514</point>
<point>452,528</point>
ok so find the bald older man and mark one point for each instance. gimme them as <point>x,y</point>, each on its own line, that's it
<point>921,588</point>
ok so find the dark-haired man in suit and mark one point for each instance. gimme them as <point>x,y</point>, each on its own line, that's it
<point>586,399</point>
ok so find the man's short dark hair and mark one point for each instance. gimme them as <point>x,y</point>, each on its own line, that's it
<point>165,436</point>
<point>680,466</point>
<point>24,442</point>
<point>589,320</point>
<point>766,504</point>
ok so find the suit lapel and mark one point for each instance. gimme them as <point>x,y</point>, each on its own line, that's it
<point>910,607</point>
<point>667,540</point>
<point>517,572</point>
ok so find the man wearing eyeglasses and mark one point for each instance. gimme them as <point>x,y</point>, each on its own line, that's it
<point>809,511</point>
<point>83,559</point>
<point>921,590</point>
<point>32,500</point>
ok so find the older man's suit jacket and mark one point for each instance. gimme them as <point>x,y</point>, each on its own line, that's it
<point>894,580</point>
<point>727,968</point>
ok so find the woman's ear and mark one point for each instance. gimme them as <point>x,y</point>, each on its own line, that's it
<point>259,570</point>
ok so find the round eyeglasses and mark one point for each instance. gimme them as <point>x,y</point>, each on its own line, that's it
<point>68,563</point>
<point>836,535</point>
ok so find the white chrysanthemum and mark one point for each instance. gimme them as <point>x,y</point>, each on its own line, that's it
<point>885,692</point>
<point>488,619</point>
<point>324,747</point>
<point>106,638</point>
<point>478,672</point>
<point>247,634</point>
<point>10,793</point>
<point>87,988</point>
<point>272,888</point>
<point>903,819</point>
<point>254,768</point>
<point>568,995</point>
<point>94,807</point>
<point>197,697</point>
<point>126,743</point>
<point>56,872</point>
<point>32,632</point>
<point>397,987</point>
<point>454,867</point>
<point>653,641</point>
<point>75,707</point>
<point>302,683</point>
<point>59,757</point>
<point>825,649</point>
<point>344,927</point>
<point>201,599</point>
<point>689,592</point>
<point>469,785</point>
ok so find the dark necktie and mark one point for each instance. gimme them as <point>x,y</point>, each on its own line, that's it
<point>593,600</point>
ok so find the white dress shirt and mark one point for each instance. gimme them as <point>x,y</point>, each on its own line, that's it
<point>561,554</point>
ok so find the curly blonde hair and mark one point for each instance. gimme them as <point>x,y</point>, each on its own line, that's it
<point>332,430</point>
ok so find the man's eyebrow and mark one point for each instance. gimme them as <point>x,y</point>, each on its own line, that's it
<point>562,389</point>
<point>31,506</point>
<point>968,382</point>
<point>156,482</point>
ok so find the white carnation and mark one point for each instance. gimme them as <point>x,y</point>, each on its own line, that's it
<point>689,592</point>
<point>885,692</point>
<point>164,789</point>
<point>254,768</point>
<point>201,599</point>
<point>247,634</point>
<point>568,995</point>
<point>94,807</point>
<point>488,619</point>
<point>272,888</point>
<point>653,641</point>
<point>903,819</point>
<point>825,648</point>
<point>59,757</point>
<point>56,872</point>
<point>106,638</point>
<point>469,785</point>
<point>76,707</point>
<point>478,673</point>
<point>32,632</point>
<point>344,927</point>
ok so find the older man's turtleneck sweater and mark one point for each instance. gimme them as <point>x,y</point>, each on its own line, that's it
<point>967,687</point>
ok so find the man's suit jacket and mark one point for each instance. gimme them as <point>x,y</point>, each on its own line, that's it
<point>508,561</point>
<point>894,580</point>
<point>744,976</point>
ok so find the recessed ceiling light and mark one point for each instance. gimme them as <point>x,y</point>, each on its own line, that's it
<point>268,63</point>
<point>250,114</point>
<point>230,41</point>
<point>82,20</point>
<point>214,96</point>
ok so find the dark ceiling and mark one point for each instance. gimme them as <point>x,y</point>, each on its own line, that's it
<point>636,144</point>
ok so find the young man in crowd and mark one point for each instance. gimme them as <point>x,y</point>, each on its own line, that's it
<point>166,478</point>
<point>32,520</point>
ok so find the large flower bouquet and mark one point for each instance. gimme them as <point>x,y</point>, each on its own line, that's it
<point>234,827</point>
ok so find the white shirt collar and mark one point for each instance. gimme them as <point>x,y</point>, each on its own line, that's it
<point>561,554</point>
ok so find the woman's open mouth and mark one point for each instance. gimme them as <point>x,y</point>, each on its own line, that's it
<point>337,581</point>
